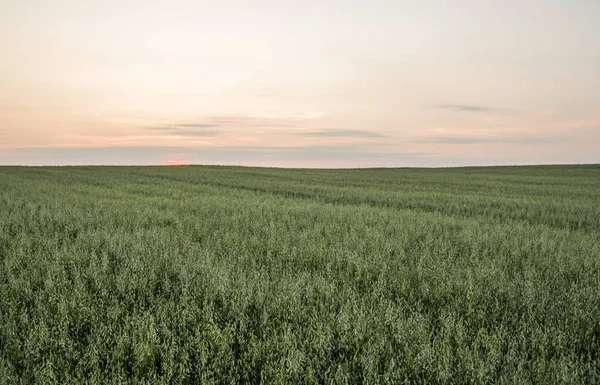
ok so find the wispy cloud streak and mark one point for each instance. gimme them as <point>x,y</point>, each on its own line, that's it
<point>180,126</point>
<point>464,108</point>
<point>333,133</point>
<point>483,140</point>
<point>196,133</point>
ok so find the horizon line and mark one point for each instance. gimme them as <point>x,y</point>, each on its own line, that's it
<point>303,168</point>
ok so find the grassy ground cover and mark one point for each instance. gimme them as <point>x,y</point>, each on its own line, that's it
<point>233,275</point>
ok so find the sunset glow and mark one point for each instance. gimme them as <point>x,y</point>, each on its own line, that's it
<point>297,84</point>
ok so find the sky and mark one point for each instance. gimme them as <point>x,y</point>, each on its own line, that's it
<point>354,83</point>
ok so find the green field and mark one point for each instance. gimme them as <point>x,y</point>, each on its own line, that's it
<point>233,275</point>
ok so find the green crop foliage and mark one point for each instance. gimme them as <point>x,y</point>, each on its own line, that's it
<point>230,275</point>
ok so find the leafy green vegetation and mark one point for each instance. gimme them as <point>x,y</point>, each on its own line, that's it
<point>233,275</point>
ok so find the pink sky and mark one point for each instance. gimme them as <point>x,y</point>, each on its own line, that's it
<point>290,84</point>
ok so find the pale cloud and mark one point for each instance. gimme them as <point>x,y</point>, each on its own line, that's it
<point>311,115</point>
<point>421,155</point>
<point>484,140</point>
<point>87,141</point>
<point>292,156</point>
<point>336,133</point>
<point>188,129</point>
<point>196,133</point>
<point>234,121</point>
<point>300,116</point>
<point>464,108</point>
<point>180,126</point>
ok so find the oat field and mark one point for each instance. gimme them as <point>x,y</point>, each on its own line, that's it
<point>233,275</point>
